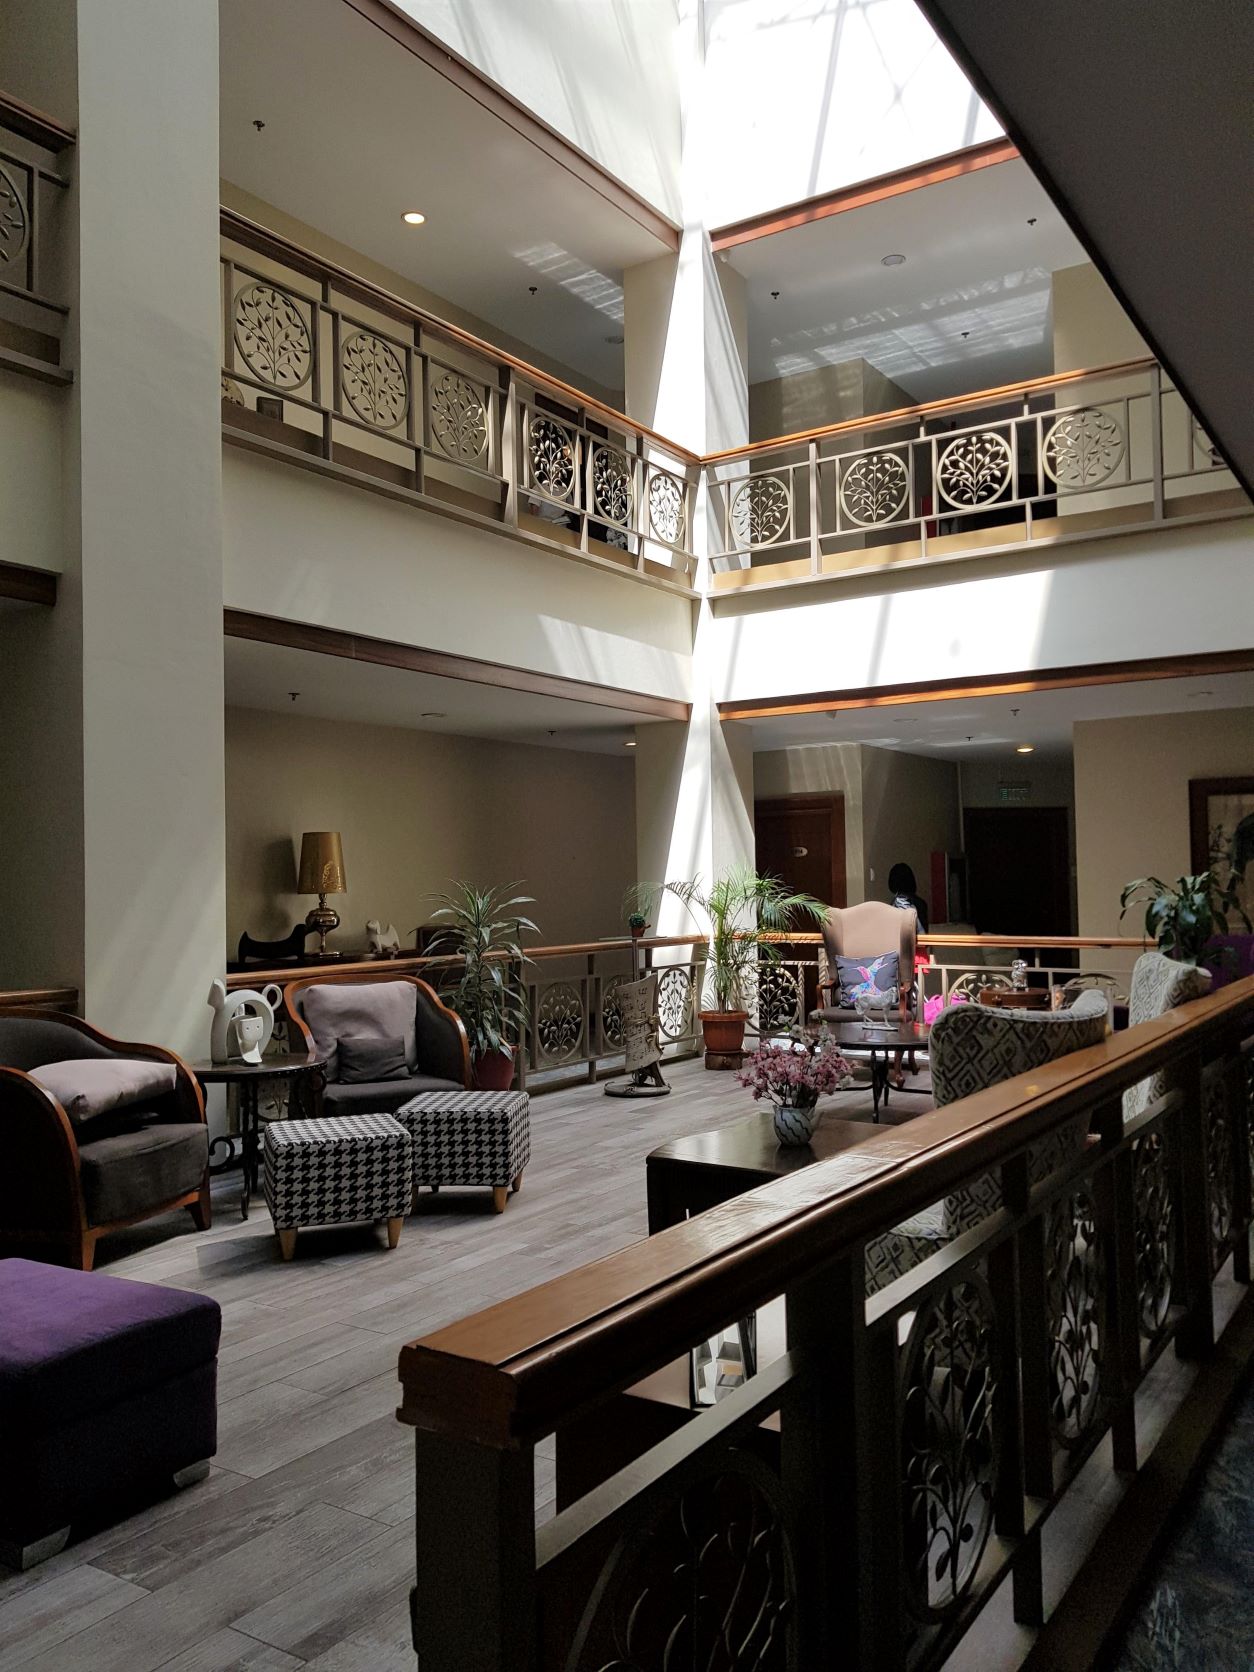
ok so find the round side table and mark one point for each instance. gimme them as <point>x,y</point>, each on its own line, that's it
<point>302,1068</point>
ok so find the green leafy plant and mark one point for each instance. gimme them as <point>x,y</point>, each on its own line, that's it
<point>1183,917</point>
<point>739,913</point>
<point>637,922</point>
<point>481,926</point>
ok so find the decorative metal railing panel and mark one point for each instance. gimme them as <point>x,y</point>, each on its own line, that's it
<point>33,183</point>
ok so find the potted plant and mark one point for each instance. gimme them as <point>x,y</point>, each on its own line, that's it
<point>742,914</point>
<point>1184,917</point>
<point>637,924</point>
<point>794,1077</point>
<point>481,926</point>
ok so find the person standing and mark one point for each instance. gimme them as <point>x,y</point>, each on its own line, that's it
<point>904,891</point>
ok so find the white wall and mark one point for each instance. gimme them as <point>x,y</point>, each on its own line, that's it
<point>806,99</point>
<point>1165,592</point>
<point>603,73</point>
<point>32,420</point>
<point>1132,799</point>
<point>415,810</point>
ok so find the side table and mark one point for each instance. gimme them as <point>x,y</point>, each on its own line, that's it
<point>300,1067</point>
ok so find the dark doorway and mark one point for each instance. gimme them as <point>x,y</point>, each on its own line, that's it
<point>801,838</point>
<point>1018,870</point>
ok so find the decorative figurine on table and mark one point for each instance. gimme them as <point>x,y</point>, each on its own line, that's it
<point>242,1022</point>
<point>637,1003</point>
<point>382,938</point>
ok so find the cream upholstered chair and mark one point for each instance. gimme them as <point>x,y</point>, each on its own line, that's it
<point>1159,984</point>
<point>870,930</point>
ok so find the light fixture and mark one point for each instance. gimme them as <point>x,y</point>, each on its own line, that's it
<point>1201,693</point>
<point>892,260</point>
<point>630,743</point>
<point>1025,749</point>
<point>412,217</point>
<point>615,339</point>
<point>433,714</point>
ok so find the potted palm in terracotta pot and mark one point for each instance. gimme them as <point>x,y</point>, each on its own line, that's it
<point>742,913</point>
<point>481,926</point>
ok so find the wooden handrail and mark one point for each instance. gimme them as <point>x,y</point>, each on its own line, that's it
<point>517,1370</point>
<point>32,124</point>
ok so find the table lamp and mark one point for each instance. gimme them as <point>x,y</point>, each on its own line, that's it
<point>321,873</point>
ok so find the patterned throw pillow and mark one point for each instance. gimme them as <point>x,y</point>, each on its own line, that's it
<point>865,975</point>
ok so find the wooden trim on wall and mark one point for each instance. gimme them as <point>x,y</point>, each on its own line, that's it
<point>468,79</point>
<point>1010,684</point>
<point>35,125</point>
<point>950,167</point>
<point>354,647</point>
<point>27,586</point>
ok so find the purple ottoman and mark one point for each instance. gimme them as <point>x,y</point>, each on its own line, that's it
<point>107,1390</point>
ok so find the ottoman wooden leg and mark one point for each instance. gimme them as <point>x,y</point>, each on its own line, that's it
<point>287,1243</point>
<point>23,1557</point>
<point>517,1184</point>
<point>500,1195</point>
<point>192,1474</point>
<point>394,1230</point>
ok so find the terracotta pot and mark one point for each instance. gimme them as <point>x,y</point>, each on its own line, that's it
<point>494,1072</point>
<point>723,1030</point>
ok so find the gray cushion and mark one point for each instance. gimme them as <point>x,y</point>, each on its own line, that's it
<point>363,1061</point>
<point>132,1172</point>
<point>89,1086</point>
<point>362,1010</point>
<point>383,1096</point>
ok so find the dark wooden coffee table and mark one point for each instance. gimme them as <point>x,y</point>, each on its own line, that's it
<point>881,1044</point>
<point>688,1175</point>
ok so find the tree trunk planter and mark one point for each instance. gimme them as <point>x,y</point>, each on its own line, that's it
<point>723,1032</point>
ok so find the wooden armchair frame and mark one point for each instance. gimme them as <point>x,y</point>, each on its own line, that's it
<point>454,1047</point>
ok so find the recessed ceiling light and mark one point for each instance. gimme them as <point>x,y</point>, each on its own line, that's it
<point>412,217</point>
<point>617,338</point>
<point>434,714</point>
<point>1201,693</point>
<point>892,260</point>
<point>1025,749</point>
<point>630,743</point>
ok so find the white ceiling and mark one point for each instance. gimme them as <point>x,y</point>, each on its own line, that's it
<point>335,688</point>
<point>972,264</point>
<point>358,130</point>
<point>989,729</point>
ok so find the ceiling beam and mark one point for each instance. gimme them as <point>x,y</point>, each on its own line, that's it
<point>388,653</point>
<point>967,161</point>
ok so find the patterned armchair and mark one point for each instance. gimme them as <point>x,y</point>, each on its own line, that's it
<point>1159,984</point>
<point>973,1046</point>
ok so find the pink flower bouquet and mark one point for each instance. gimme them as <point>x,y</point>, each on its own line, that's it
<point>795,1075</point>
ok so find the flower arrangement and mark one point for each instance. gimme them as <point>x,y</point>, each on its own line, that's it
<point>797,1074</point>
<point>932,1007</point>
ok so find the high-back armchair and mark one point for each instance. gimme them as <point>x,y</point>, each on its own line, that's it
<point>865,932</point>
<point>95,1133</point>
<point>402,1039</point>
<point>1159,984</point>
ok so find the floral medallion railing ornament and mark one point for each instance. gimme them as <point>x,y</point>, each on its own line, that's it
<point>1083,449</point>
<point>272,337</point>
<point>612,495</point>
<point>975,469</point>
<point>1155,1233</point>
<point>551,456</point>
<point>1075,1301</point>
<point>875,489</point>
<point>760,510</point>
<point>14,220</point>
<point>459,419</point>
<point>666,507</point>
<point>559,1024</point>
<point>1220,1167</point>
<point>372,376</point>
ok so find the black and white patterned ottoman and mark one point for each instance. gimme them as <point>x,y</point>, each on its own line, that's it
<point>470,1137</point>
<point>336,1169</point>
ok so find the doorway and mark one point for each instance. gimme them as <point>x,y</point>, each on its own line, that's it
<point>801,839</point>
<point>1018,870</point>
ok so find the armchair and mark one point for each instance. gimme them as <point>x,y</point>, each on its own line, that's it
<point>73,1174</point>
<point>323,1009</point>
<point>870,930</point>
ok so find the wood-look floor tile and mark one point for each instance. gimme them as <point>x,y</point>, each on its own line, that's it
<point>38,1619</point>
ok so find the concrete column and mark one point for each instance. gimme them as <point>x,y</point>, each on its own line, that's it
<point>118,734</point>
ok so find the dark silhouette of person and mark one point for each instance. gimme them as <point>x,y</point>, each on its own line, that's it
<point>905,893</point>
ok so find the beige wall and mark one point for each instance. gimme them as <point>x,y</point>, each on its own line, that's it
<point>823,395</point>
<point>1132,798</point>
<point>415,810</point>
<point>820,769</point>
<point>31,428</point>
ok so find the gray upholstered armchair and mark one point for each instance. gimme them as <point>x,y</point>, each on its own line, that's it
<point>386,1037</point>
<point>95,1134</point>
<point>1159,984</point>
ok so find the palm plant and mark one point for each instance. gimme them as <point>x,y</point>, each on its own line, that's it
<point>481,926</point>
<point>1184,918</point>
<point>739,913</point>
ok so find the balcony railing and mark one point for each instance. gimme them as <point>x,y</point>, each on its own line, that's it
<point>1081,454</point>
<point>33,281</point>
<point>861,1498</point>
<point>334,373</point>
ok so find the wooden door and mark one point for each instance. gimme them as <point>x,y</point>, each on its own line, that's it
<point>1018,870</point>
<point>801,838</point>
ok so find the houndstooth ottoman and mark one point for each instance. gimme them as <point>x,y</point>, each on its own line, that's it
<point>470,1137</point>
<point>336,1169</point>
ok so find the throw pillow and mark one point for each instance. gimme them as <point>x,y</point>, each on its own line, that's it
<point>865,975</point>
<point>89,1086</point>
<point>361,1010</point>
<point>365,1061</point>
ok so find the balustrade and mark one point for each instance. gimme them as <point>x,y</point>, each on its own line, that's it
<point>33,281</point>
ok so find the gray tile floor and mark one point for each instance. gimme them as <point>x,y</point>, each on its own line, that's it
<point>298,1549</point>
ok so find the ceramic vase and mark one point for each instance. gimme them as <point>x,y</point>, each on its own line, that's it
<point>795,1123</point>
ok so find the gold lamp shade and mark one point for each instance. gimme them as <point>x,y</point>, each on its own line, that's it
<point>321,863</point>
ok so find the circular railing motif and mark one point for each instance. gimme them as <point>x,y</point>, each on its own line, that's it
<point>272,337</point>
<point>874,489</point>
<point>759,510</point>
<point>1154,1236</point>
<point>666,508</point>
<point>612,1012</point>
<point>373,380</point>
<point>611,484</point>
<point>948,1450</point>
<point>551,450</point>
<point>232,392</point>
<point>975,469</point>
<point>1075,1297</point>
<point>459,420</point>
<point>1082,449</point>
<point>674,1001</point>
<point>1220,1177</point>
<point>14,220</point>
<point>559,1023</point>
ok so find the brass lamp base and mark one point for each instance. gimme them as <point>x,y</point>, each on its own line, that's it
<point>324,919</point>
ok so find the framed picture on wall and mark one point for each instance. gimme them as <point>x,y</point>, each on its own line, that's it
<point>1221,831</point>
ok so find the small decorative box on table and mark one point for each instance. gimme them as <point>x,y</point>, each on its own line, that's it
<point>334,1170</point>
<point>470,1137</point>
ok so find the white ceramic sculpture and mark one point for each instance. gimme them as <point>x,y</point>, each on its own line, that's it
<point>381,937</point>
<point>242,1022</point>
